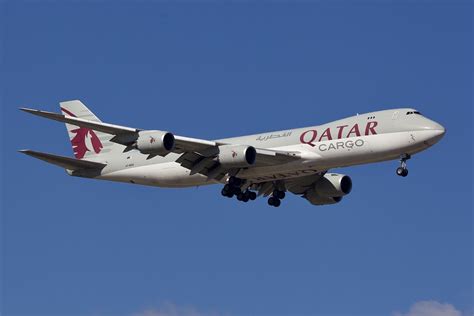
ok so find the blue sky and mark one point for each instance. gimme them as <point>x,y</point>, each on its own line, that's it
<point>72,246</point>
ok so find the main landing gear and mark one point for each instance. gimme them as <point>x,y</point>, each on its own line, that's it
<point>275,199</point>
<point>402,170</point>
<point>240,189</point>
<point>233,187</point>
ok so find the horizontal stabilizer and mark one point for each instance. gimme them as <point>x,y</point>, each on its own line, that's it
<point>64,162</point>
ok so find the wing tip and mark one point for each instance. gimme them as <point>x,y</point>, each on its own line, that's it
<point>28,110</point>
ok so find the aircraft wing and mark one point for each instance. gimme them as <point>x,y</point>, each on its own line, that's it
<point>198,155</point>
<point>183,144</point>
<point>205,162</point>
<point>97,126</point>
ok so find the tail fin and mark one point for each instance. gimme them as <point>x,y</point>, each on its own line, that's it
<point>87,143</point>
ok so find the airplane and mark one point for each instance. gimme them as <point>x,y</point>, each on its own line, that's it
<point>267,164</point>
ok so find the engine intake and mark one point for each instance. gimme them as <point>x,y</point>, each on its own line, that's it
<point>237,156</point>
<point>155,142</point>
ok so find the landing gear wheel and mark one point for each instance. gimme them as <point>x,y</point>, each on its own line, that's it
<point>273,201</point>
<point>240,196</point>
<point>279,194</point>
<point>402,170</point>
<point>252,195</point>
<point>246,197</point>
<point>235,182</point>
<point>229,191</point>
<point>225,191</point>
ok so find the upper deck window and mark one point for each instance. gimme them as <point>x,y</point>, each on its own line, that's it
<point>413,112</point>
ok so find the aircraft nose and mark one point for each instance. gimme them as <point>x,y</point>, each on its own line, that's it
<point>437,128</point>
<point>437,131</point>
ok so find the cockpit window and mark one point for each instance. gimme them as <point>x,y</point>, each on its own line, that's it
<point>413,112</point>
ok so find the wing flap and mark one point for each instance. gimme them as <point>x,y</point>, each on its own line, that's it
<point>64,162</point>
<point>275,157</point>
<point>202,146</point>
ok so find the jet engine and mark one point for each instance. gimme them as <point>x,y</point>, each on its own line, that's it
<point>329,189</point>
<point>155,142</point>
<point>237,156</point>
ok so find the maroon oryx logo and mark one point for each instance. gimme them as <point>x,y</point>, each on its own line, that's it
<point>85,140</point>
<point>152,140</point>
<point>234,154</point>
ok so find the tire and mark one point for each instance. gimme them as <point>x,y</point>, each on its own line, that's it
<point>281,195</point>
<point>405,172</point>
<point>276,203</point>
<point>253,196</point>
<point>233,181</point>
<point>400,171</point>
<point>271,201</point>
<point>240,196</point>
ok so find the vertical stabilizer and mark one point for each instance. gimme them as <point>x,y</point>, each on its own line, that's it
<point>87,143</point>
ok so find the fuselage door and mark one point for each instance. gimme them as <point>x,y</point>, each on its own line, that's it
<point>395,115</point>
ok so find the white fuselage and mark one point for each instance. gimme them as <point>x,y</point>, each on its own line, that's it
<point>361,139</point>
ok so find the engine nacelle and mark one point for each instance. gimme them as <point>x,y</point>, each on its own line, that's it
<point>237,156</point>
<point>321,200</point>
<point>155,142</point>
<point>329,189</point>
<point>333,184</point>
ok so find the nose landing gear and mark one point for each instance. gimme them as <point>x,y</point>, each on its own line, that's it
<point>402,170</point>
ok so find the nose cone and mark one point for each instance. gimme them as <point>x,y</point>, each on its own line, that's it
<point>437,131</point>
<point>437,127</point>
